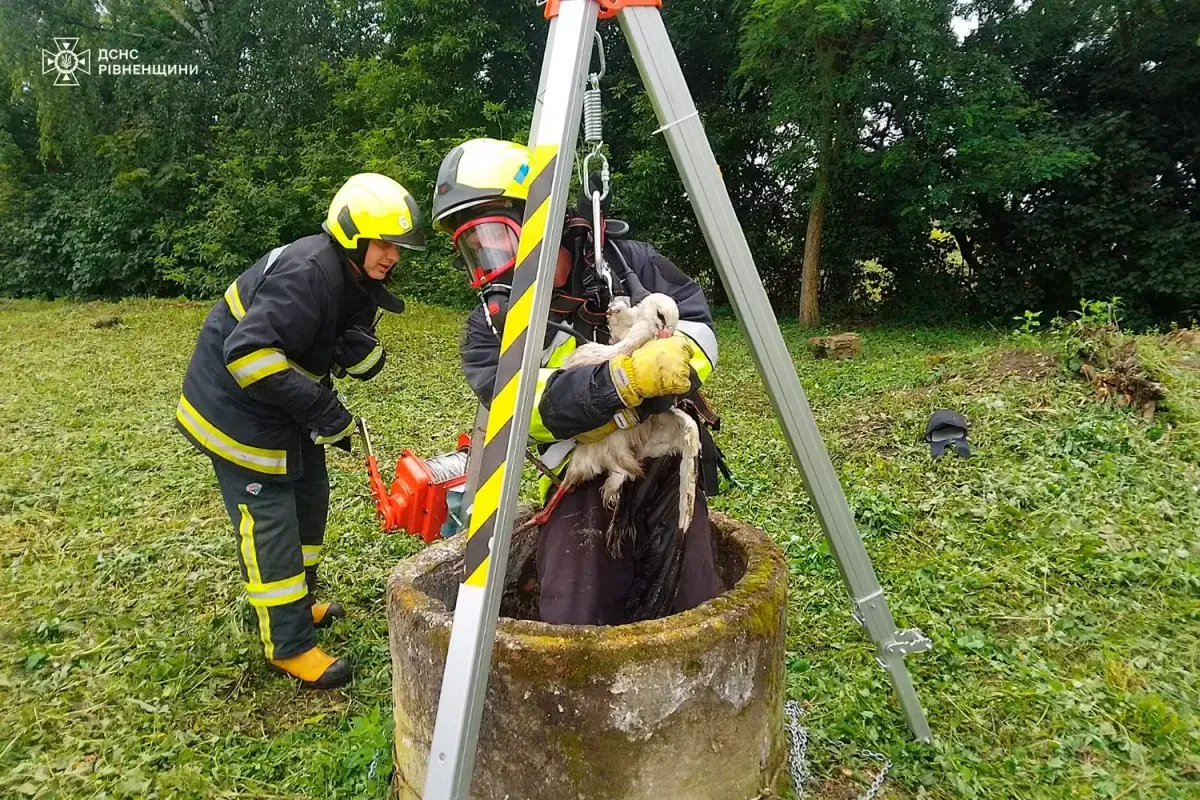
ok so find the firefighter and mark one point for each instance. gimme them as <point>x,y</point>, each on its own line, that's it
<point>479,200</point>
<point>258,400</point>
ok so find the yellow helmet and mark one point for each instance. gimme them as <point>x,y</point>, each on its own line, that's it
<point>478,172</point>
<point>373,206</point>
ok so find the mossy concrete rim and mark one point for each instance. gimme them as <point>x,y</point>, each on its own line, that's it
<point>755,592</point>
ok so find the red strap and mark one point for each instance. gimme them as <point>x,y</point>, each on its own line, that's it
<point>608,8</point>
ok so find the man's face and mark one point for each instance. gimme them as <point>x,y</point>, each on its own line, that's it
<point>381,257</point>
<point>488,245</point>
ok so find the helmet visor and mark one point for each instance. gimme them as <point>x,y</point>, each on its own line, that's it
<point>488,246</point>
<point>413,240</point>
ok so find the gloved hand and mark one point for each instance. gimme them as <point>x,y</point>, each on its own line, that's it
<point>658,368</point>
<point>358,353</point>
<point>334,426</point>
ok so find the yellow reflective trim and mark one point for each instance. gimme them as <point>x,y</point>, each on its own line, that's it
<point>312,376</point>
<point>501,410</point>
<point>235,302</point>
<point>487,497</point>
<point>250,559</point>
<point>367,363</point>
<point>252,368</point>
<point>532,234</point>
<point>277,593</point>
<point>337,437</point>
<point>478,578</point>
<point>561,352</point>
<point>537,429</point>
<point>312,554</point>
<point>699,361</point>
<point>272,462</point>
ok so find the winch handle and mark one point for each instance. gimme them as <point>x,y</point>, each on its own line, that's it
<point>361,424</point>
<point>388,516</point>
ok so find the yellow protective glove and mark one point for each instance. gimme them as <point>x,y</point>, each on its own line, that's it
<point>657,368</point>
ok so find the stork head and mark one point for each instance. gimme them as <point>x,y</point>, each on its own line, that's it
<point>661,312</point>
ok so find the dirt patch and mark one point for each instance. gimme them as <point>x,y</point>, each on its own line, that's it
<point>1023,364</point>
<point>1121,378</point>
<point>1187,337</point>
<point>870,431</point>
<point>842,787</point>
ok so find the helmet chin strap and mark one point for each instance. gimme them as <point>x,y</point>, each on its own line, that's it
<point>358,256</point>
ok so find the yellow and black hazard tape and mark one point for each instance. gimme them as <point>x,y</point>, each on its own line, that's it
<point>512,346</point>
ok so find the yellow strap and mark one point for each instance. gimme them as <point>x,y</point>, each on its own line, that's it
<point>312,554</point>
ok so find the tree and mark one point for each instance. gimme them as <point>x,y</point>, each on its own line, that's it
<point>825,65</point>
<point>1120,78</point>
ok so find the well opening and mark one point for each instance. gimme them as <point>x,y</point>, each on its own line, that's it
<point>686,706</point>
<point>520,599</point>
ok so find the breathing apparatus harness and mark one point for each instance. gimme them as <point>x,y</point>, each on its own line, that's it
<point>600,276</point>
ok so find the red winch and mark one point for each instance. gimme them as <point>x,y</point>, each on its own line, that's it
<point>425,498</point>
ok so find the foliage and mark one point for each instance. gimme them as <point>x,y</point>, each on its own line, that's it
<point>1118,77</point>
<point>1055,142</point>
<point>1056,570</point>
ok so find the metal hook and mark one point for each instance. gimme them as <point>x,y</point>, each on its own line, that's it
<point>596,76</point>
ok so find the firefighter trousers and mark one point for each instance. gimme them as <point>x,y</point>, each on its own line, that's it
<point>280,530</point>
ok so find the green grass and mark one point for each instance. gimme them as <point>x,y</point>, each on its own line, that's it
<point>1058,571</point>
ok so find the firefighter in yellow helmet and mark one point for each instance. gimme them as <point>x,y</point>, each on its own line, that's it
<point>479,199</point>
<point>259,402</point>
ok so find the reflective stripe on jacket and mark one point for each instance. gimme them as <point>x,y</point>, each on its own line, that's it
<point>258,379</point>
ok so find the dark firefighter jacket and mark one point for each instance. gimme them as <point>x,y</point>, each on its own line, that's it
<point>258,381</point>
<point>580,399</point>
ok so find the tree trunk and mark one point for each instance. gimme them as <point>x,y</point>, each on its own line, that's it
<point>966,248</point>
<point>810,277</point>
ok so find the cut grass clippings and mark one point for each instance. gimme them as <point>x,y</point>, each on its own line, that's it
<point>1057,571</point>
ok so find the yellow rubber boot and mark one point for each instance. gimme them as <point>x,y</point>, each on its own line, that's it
<point>324,614</point>
<point>315,668</point>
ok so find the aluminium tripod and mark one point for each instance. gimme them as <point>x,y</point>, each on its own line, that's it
<point>496,469</point>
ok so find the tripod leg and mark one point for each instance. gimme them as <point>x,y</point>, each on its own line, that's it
<point>664,81</point>
<point>464,682</point>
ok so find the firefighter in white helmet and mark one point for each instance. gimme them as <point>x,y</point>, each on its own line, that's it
<point>479,200</point>
<point>258,400</point>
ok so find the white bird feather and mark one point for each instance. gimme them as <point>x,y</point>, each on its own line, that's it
<point>621,453</point>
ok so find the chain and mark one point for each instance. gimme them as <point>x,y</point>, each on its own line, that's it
<point>798,751</point>
<point>798,754</point>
